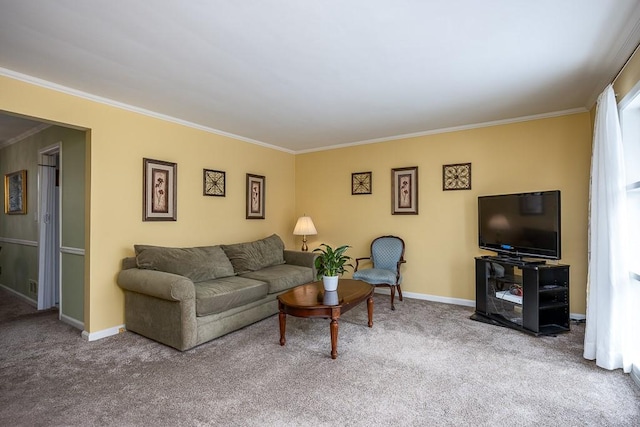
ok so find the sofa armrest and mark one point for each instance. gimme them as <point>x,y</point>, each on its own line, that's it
<point>159,284</point>
<point>304,259</point>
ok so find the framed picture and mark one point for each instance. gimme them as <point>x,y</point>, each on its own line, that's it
<point>456,177</point>
<point>15,193</point>
<point>213,183</point>
<point>361,183</point>
<point>255,196</point>
<point>404,191</point>
<point>159,190</point>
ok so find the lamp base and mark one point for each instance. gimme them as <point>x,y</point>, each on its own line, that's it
<point>305,248</point>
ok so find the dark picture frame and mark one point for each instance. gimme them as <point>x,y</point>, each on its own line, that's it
<point>15,193</point>
<point>404,191</point>
<point>214,183</point>
<point>256,194</point>
<point>361,183</point>
<point>456,177</point>
<point>159,190</point>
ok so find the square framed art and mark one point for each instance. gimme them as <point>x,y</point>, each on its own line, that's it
<point>213,183</point>
<point>404,191</point>
<point>159,190</point>
<point>361,183</point>
<point>255,196</point>
<point>456,177</point>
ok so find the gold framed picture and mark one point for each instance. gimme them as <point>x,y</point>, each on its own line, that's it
<point>15,193</point>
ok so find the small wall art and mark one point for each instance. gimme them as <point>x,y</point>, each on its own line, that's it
<point>361,183</point>
<point>213,183</point>
<point>255,196</point>
<point>15,193</point>
<point>159,190</point>
<point>456,177</point>
<point>404,191</point>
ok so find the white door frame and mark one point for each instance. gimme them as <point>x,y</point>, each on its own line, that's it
<point>43,155</point>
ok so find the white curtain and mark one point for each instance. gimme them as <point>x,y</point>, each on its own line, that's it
<point>609,334</point>
<point>47,242</point>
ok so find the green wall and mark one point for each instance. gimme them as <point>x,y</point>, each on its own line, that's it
<point>19,233</point>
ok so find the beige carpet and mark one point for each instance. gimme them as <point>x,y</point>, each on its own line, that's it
<point>426,364</point>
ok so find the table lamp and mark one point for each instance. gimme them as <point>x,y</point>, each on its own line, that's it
<point>304,228</point>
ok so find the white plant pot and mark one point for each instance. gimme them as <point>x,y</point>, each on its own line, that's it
<point>330,283</point>
<point>330,298</point>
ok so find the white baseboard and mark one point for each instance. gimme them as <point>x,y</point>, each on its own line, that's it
<point>24,298</point>
<point>93,336</point>
<point>71,321</point>
<point>456,301</point>
<point>635,375</point>
<point>427,297</point>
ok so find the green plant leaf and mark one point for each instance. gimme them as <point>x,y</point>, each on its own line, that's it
<point>332,262</point>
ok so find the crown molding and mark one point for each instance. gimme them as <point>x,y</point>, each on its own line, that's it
<point>621,56</point>
<point>453,129</point>
<point>121,105</point>
<point>24,135</point>
<point>74,92</point>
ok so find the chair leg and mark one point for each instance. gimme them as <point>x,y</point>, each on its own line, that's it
<point>393,294</point>
<point>399,292</point>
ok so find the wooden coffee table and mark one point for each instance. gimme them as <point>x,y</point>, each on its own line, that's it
<point>310,301</point>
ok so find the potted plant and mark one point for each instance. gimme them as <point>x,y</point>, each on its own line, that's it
<point>330,264</point>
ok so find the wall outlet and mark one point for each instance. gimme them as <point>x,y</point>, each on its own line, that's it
<point>33,287</point>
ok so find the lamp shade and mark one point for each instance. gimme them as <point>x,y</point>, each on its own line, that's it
<point>305,227</point>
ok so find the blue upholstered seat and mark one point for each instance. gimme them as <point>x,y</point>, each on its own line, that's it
<point>387,254</point>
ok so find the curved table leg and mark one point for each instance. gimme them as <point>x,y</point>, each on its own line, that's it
<point>370,310</point>
<point>335,315</point>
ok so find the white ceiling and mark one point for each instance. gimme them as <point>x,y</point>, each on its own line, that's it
<point>301,75</point>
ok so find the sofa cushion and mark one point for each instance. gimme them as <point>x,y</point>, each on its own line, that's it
<point>198,264</point>
<point>215,296</point>
<point>282,277</point>
<point>252,256</point>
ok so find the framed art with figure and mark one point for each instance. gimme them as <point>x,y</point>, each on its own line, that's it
<point>255,196</point>
<point>15,193</point>
<point>159,190</point>
<point>404,191</point>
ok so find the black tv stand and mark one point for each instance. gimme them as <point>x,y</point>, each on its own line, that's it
<point>531,297</point>
<point>515,260</point>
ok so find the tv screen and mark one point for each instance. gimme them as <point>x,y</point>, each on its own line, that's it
<point>521,225</point>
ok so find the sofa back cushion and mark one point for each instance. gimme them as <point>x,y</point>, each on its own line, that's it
<point>198,264</point>
<point>252,256</point>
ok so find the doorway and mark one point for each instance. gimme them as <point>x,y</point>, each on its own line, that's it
<point>49,292</point>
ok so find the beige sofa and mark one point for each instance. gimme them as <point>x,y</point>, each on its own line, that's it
<point>184,297</point>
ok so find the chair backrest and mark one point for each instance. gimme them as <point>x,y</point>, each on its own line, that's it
<point>386,251</point>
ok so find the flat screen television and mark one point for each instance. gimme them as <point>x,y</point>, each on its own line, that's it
<point>520,225</point>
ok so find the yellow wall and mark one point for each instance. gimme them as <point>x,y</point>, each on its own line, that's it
<point>441,241</point>
<point>119,139</point>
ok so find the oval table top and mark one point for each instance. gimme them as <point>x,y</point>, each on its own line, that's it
<point>313,295</point>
